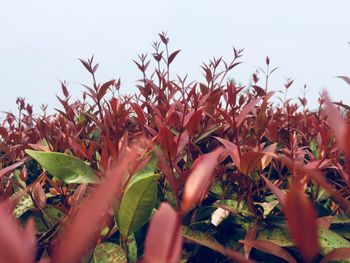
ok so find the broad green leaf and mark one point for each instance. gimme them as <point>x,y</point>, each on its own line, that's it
<point>132,248</point>
<point>276,235</point>
<point>25,204</point>
<point>65,167</point>
<point>203,239</point>
<point>138,200</point>
<point>53,214</point>
<point>109,253</point>
<point>343,231</point>
<point>341,219</point>
<point>330,241</point>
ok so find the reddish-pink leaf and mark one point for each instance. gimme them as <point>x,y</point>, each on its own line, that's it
<point>233,65</point>
<point>259,90</point>
<point>166,141</point>
<point>64,89</point>
<point>270,248</point>
<point>12,167</point>
<point>281,196</point>
<point>340,129</point>
<point>16,246</point>
<point>164,237</point>
<point>269,154</point>
<point>337,254</point>
<point>139,112</point>
<point>103,90</point>
<point>39,195</point>
<point>172,56</point>
<point>198,182</point>
<point>325,221</point>
<point>164,39</point>
<point>246,109</point>
<point>39,147</point>
<point>3,133</point>
<point>183,140</point>
<point>233,150</point>
<point>78,195</point>
<point>302,221</point>
<point>192,122</point>
<point>346,79</point>
<point>250,236</point>
<point>87,66</point>
<point>251,161</point>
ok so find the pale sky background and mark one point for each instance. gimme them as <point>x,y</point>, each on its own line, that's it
<point>41,41</point>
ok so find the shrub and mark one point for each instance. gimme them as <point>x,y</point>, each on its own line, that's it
<point>181,171</point>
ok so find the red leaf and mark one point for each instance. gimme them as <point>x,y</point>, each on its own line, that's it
<point>337,254</point>
<point>233,65</point>
<point>198,182</point>
<point>39,147</point>
<point>172,56</point>
<point>192,121</point>
<point>12,167</point>
<point>103,90</point>
<point>164,237</point>
<point>270,248</point>
<point>64,89</point>
<point>166,141</point>
<point>251,161</point>
<point>183,140</point>
<point>17,246</point>
<point>250,236</point>
<point>246,109</point>
<point>81,230</point>
<point>259,90</point>
<point>87,66</point>
<point>4,133</point>
<point>346,79</point>
<point>233,150</point>
<point>164,39</point>
<point>302,221</point>
<point>139,112</point>
<point>340,129</point>
<point>39,195</point>
<point>281,196</point>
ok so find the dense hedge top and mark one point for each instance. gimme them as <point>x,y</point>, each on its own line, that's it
<point>182,171</point>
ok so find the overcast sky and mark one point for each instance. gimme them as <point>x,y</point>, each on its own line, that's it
<point>41,41</point>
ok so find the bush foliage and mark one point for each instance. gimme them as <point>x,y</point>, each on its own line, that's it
<point>184,171</point>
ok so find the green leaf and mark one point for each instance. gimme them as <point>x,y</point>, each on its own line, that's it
<point>138,200</point>
<point>65,167</point>
<point>314,148</point>
<point>132,248</point>
<point>276,235</point>
<point>25,204</point>
<point>341,219</point>
<point>109,253</point>
<point>330,241</point>
<point>208,241</point>
<point>203,239</point>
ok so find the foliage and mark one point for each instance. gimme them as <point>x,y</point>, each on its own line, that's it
<point>182,171</point>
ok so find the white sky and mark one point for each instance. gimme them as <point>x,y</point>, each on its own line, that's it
<point>41,41</point>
